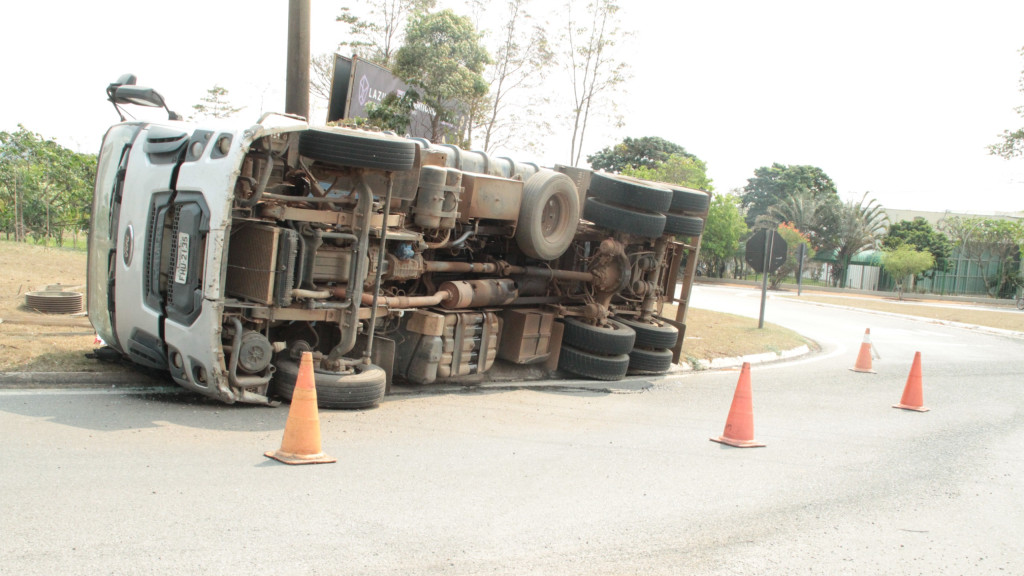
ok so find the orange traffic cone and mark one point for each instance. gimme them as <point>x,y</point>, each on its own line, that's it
<point>864,356</point>
<point>301,442</point>
<point>739,426</point>
<point>912,397</point>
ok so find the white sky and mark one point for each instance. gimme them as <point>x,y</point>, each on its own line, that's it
<point>899,98</point>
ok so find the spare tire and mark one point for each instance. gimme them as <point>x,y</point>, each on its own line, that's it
<point>343,147</point>
<point>362,388</point>
<point>548,215</point>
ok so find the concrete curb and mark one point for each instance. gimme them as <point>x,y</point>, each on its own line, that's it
<point>737,361</point>
<point>21,380</point>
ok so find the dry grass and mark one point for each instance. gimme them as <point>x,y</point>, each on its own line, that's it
<point>711,335</point>
<point>31,341</point>
<point>1010,319</point>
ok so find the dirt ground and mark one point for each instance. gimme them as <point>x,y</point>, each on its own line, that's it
<point>31,341</point>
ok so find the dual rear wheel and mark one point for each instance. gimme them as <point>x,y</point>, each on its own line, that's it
<point>620,346</point>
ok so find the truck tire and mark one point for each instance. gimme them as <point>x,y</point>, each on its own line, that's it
<point>650,335</point>
<point>643,361</point>
<point>358,149</point>
<point>688,200</point>
<point>589,365</point>
<point>646,224</point>
<point>615,338</point>
<point>335,391</point>
<point>683,225</point>
<point>548,216</point>
<point>630,192</point>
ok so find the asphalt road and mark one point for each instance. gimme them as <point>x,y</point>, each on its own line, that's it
<point>548,480</point>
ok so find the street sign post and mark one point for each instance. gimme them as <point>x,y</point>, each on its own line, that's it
<point>801,254</point>
<point>770,244</point>
<point>765,254</point>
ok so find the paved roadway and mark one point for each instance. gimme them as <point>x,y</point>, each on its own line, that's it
<point>562,480</point>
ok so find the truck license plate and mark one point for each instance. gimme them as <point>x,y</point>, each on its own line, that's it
<point>181,266</point>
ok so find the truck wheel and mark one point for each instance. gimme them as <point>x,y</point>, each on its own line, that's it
<point>615,338</point>
<point>643,361</point>
<point>629,192</point>
<point>548,216</point>
<point>359,149</point>
<point>649,335</point>
<point>683,225</point>
<point>688,200</point>
<point>646,224</point>
<point>363,388</point>
<point>594,366</point>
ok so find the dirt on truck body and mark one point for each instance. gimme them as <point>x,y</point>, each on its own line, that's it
<point>221,253</point>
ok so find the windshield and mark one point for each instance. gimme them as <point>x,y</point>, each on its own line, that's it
<point>103,232</point>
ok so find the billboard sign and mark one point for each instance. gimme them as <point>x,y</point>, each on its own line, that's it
<point>357,83</point>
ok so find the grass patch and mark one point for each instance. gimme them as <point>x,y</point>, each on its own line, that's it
<point>711,335</point>
<point>1011,319</point>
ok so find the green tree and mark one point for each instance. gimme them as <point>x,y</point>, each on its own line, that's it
<point>595,72</point>
<point>905,262</point>
<point>919,234</point>
<point>645,152</point>
<point>45,189</point>
<point>442,57</point>
<point>1011,142</point>
<point>722,232</point>
<point>859,226</point>
<point>393,112</point>
<point>817,215</point>
<point>379,35</point>
<point>807,188</point>
<point>215,104</point>
<point>985,240</point>
<point>688,171</point>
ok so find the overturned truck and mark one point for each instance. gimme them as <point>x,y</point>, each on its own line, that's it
<point>221,254</point>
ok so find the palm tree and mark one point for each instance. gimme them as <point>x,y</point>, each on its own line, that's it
<point>860,226</point>
<point>815,215</point>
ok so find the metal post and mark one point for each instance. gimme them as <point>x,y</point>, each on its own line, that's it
<point>769,241</point>
<point>297,79</point>
<point>801,253</point>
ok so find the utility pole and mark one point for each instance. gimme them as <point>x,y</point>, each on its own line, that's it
<point>297,80</point>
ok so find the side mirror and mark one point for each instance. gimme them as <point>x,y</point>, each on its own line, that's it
<point>138,95</point>
<point>124,91</point>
